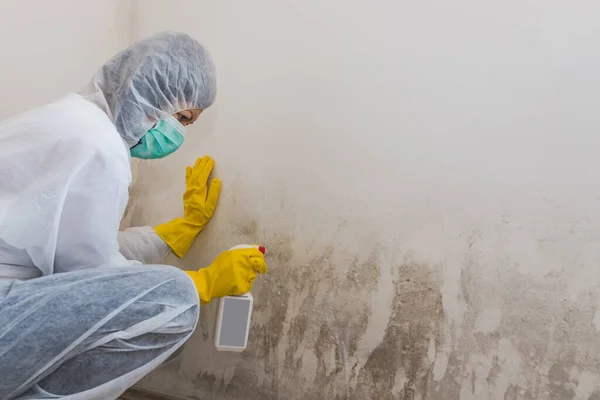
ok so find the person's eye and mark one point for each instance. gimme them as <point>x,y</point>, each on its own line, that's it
<point>184,118</point>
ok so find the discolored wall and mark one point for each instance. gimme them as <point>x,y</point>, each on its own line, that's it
<point>424,177</point>
<point>412,320</point>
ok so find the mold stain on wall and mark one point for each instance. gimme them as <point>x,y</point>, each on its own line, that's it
<point>415,321</point>
<point>314,334</point>
<point>309,319</point>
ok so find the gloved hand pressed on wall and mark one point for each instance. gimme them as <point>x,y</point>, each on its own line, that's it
<point>199,204</point>
<point>232,273</point>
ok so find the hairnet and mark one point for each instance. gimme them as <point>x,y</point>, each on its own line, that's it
<point>155,77</point>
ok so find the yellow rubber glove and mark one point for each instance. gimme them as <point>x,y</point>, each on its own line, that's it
<point>231,274</point>
<point>199,204</point>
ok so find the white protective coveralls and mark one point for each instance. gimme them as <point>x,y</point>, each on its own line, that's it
<point>77,320</point>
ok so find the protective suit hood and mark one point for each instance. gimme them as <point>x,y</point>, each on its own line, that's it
<point>153,78</point>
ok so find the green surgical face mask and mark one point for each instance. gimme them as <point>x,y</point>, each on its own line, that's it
<point>160,141</point>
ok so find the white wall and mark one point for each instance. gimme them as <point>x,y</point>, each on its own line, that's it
<point>50,48</point>
<point>425,177</point>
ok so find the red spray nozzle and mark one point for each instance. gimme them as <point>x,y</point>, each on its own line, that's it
<point>248,246</point>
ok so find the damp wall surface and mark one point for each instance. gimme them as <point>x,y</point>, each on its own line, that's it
<point>425,178</point>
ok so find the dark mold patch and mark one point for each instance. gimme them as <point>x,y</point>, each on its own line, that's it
<point>559,383</point>
<point>416,319</point>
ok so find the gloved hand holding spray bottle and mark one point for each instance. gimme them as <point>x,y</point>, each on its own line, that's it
<point>230,277</point>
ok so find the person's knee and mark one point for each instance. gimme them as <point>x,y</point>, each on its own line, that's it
<point>178,278</point>
<point>174,287</point>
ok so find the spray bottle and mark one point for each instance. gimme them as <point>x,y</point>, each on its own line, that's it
<point>233,317</point>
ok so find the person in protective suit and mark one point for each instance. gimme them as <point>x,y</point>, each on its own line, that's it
<point>85,312</point>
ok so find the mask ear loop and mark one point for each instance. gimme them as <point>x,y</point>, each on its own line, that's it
<point>173,122</point>
<point>179,126</point>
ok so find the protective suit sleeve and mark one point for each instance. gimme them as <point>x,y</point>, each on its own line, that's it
<point>142,244</point>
